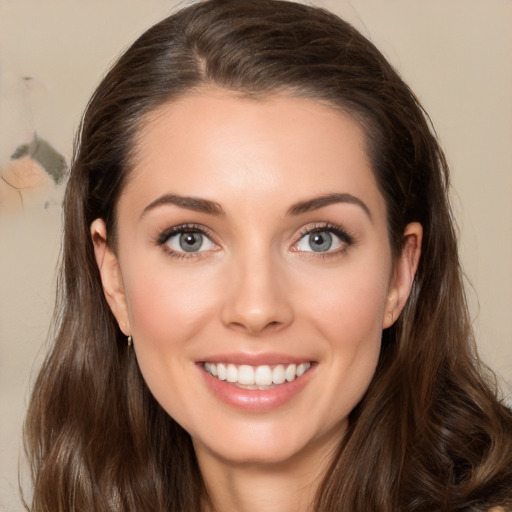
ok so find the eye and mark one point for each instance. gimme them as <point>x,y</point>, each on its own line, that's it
<point>186,239</point>
<point>324,239</point>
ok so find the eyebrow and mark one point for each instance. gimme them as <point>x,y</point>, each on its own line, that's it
<point>213,208</point>
<point>190,203</point>
<point>319,202</point>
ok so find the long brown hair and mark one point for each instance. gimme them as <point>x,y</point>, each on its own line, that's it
<point>430,434</point>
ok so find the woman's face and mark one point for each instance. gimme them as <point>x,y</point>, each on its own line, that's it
<point>254,272</point>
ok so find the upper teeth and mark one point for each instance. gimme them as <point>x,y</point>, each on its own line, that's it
<point>256,375</point>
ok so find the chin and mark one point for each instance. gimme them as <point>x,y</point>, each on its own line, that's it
<point>269,445</point>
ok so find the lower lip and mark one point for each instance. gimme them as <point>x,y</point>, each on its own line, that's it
<point>256,400</point>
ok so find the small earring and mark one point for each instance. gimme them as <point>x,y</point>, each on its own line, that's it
<point>390,317</point>
<point>130,341</point>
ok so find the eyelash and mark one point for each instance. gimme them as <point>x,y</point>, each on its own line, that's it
<point>164,237</point>
<point>347,238</point>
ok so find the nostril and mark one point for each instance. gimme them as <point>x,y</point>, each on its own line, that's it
<point>255,328</point>
<point>269,327</point>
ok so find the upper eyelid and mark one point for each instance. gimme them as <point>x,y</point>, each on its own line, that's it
<point>167,233</point>
<point>325,226</point>
<point>346,237</point>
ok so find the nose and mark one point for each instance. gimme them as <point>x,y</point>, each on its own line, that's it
<point>257,299</point>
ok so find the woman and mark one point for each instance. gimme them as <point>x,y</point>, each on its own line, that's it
<point>261,301</point>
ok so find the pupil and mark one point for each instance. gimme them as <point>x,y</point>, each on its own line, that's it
<point>320,241</point>
<point>191,242</point>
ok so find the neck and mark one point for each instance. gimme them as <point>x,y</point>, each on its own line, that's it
<point>288,486</point>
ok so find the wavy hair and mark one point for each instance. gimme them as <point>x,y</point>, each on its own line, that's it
<point>429,435</point>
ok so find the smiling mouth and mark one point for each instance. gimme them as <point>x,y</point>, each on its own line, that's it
<point>256,377</point>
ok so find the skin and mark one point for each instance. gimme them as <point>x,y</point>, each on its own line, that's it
<point>256,286</point>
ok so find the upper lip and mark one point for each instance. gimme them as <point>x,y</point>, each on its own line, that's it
<point>255,359</point>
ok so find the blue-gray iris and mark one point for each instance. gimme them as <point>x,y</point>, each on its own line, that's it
<point>191,242</point>
<point>320,241</point>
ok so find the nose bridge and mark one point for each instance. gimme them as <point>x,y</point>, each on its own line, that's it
<point>258,299</point>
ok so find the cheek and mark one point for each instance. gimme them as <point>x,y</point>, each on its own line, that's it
<point>167,306</point>
<point>349,304</point>
<point>348,312</point>
<point>170,312</point>
<point>349,318</point>
<point>352,323</point>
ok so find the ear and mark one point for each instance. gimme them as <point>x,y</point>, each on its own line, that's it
<point>404,272</point>
<point>110,273</point>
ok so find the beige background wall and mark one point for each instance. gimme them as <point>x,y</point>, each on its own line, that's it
<point>454,53</point>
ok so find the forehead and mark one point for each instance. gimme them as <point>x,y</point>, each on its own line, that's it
<point>220,145</point>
